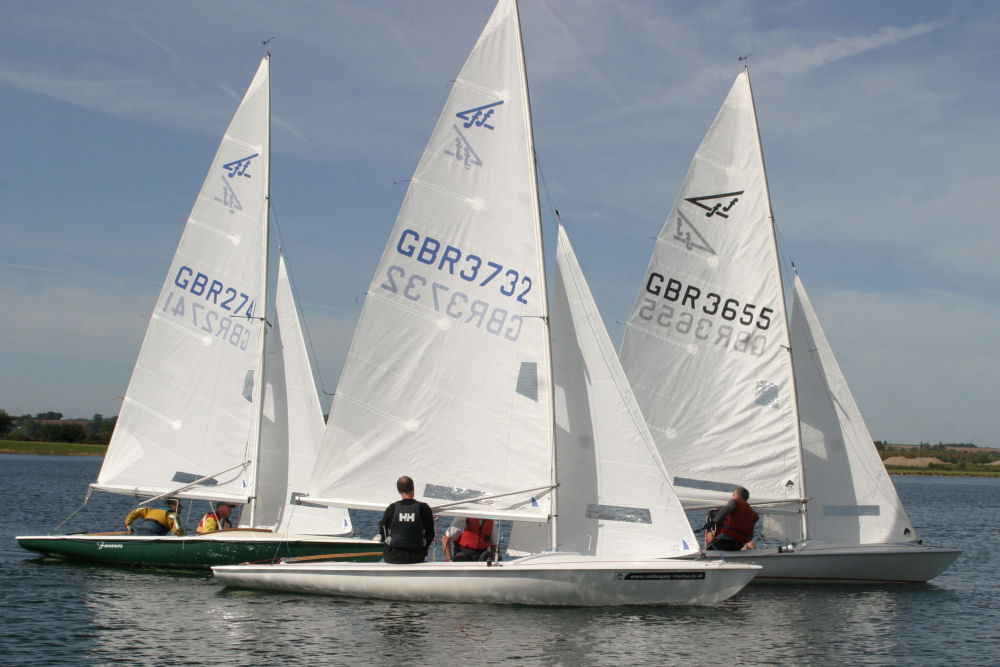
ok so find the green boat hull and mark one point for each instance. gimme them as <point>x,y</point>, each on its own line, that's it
<point>200,551</point>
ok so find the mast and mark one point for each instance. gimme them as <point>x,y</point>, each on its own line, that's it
<point>262,313</point>
<point>784,302</point>
<point>536,208</point>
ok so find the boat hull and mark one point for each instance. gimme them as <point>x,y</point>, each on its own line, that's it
<point>550,581</point>
<point>198,551</point>
<point>848,564</point>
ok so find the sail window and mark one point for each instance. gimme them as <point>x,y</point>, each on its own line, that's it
<point>527,380</point>
<point>452,493</point>
<point>189,477</point>
<point>248,386</point>
<point>619,513</point>
<point>851,510</point>
<point>704,484</point>
<point>766,393</point>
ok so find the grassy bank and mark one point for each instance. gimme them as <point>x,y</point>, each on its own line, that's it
<point>63,448</point>
<point>944,472</point>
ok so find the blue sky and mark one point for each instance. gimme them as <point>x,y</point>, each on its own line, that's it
<point>878,122</point>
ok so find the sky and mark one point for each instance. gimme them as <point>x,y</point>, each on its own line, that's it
<point>878,122</point>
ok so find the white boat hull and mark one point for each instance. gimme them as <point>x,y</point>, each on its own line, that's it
<point>848,564</point>
<point>555,580</point>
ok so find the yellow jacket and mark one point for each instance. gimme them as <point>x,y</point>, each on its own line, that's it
<point>161,515</point>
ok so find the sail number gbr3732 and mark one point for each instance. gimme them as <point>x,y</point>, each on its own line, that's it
<point>707,316</point>
<point>506,288</point>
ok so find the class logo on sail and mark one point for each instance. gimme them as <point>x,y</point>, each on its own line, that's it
<point>234,169</point>
<point>689,235</point>
<point>719,205</point>
<point>228,197</point>
<point>239,167</point>
<point>476,118</point>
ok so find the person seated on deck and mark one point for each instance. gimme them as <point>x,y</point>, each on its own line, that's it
<point>155,520</point>
<point>217,520</point>
<point>474,539</point>
<point>731,527</point>
<point>406,527</point>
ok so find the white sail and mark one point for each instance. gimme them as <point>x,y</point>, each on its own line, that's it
<point>855,501</point>
<point>293,424</point>
<point>447,376</point>
<point>618,501</point>
<point>190,410</point>
<point>706,345</point>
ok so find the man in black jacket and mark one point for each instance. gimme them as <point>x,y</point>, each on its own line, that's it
<point>407,527</point>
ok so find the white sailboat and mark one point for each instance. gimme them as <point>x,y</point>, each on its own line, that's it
<point>462,376</point>
<point>222,406</point>
<point>733,399</point>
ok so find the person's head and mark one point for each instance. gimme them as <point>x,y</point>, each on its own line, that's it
<point>224,509</point>
<point>174,504</point>
<point>405,486</point>
<point>740,492</point>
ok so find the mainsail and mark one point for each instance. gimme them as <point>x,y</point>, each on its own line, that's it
<point>706,345</point>
<point>447,376</point>
<point>192,406</point>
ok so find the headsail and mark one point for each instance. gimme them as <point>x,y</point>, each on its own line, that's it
<point>447,377</point>
<point>855,500</point>
<point>706,346</point>
<point>618,500</point>
<point>191,406</point>
<point>292,427</point>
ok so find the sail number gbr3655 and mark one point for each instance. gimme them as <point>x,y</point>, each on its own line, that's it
<point>707,316</point>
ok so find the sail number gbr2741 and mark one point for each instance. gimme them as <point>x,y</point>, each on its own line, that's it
<point>694,303</point>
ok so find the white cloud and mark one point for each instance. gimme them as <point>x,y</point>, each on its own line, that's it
<point>798,60</point>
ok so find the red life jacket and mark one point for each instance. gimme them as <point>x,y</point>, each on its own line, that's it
<point>476,535</point>
<point>739,523</point>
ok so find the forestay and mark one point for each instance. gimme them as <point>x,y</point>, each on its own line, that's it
<point>706,345</point>
<point>856,501</point>
<point>615,499</point>
<point>189,410</point>
<point>447,376</point>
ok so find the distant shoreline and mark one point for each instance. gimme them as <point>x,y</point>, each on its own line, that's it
<point>51,448</point>
<point>67,449</point>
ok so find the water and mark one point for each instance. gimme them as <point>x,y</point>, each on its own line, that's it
<point>63,614</point>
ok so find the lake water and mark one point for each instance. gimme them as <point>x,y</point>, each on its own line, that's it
<point>63,614</point>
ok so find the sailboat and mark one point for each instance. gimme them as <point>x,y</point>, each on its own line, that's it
<point>222,405</point>
<point>502,400</point>
<point>736,394</point>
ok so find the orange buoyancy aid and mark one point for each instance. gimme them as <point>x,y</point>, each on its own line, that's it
<point>739,523</point>
<point>476,535</point>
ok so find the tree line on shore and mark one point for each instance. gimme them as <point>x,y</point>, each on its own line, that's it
<point>51,427</point>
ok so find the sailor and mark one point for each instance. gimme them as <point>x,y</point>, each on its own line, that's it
<point>474,539</point>
<point>155,520</point>
<point>217,520</point>
<point>407,527</point>
<point>731,527</point>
